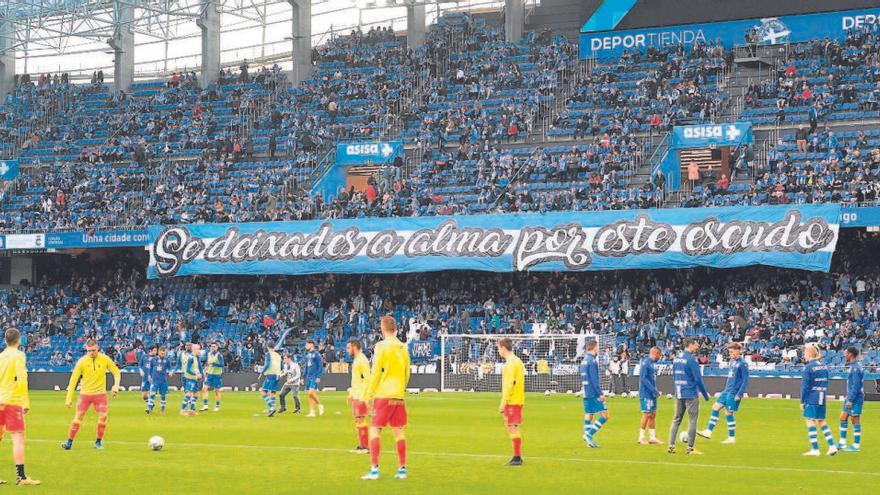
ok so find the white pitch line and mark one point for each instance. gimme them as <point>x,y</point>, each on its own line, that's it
<point>499,456</point>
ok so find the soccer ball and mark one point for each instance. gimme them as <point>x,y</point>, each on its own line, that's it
<point>156,442</point>
<point>683,438</point>
<point>547,393</point>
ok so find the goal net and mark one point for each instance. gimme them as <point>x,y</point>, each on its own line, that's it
<point>471,362</point>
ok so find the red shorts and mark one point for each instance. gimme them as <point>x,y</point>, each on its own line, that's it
<point>358,408</point>
<point>12,418</point>
<point>389,412</point>
<point>513,414</point>
<point>87,401</point>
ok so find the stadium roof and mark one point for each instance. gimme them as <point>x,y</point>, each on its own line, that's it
<point>72,35</point>
<point>26,9</point>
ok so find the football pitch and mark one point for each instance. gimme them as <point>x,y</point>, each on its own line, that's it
<point>457,445</point>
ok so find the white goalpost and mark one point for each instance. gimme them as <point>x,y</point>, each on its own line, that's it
<point>472,363</point>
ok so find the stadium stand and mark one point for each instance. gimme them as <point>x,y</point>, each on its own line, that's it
<point>125,312</point>
<point>472,109</point>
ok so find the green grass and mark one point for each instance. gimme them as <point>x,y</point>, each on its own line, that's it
<point>457,445</point>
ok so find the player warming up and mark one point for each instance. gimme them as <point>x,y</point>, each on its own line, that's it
<point>814,394</point>
<point>729,400</point>
<point>14,401</point>
<point>513,396</point>
<point>291,372</point>
<point>159,367</point>
<point>93,369</point>
<point>271,371</point>
<point>648,395</point>
<point>189,369</point>
<point>213,377</point>
<point>594,398</point>
<point>852,406</point>
<point>143,369</point>
<point>688,382</point>
<point>385,392</point>
<point>313,372</point>
<point>360,377</point>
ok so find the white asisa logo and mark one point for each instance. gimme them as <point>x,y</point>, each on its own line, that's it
<point>369,149</point>
<point>703,131</point>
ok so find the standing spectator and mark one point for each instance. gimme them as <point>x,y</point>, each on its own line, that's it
<point>693,170</point>
<point>800,138</point>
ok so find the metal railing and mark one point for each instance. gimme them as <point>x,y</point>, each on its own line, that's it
<point>325,163</point>
<point>568,79</point>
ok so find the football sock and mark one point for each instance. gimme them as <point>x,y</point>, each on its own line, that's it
<point>102,426</point>
<point>731,425</point>
<point>597,425</point>
<point>375,448</point>
<point>74,429</point>
<point>827,432</point>
<point>363,432</point>
<point>713,420</point>
<point>516,439</point>
<point>813,436</point>
<point>401,449</point>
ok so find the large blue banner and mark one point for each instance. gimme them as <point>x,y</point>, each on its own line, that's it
<point>8,169</point>
<point>70,240</point>
<point>359,153</point>
<point>114,238</point>
<point>802,236</point>
<point>709,135</point>
<point>774,30</point>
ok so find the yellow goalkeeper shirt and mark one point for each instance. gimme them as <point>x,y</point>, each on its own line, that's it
<point>360,376</point>
<point>94,375</point>
<point>390,372</point>
<point>513,381</point>
<point>13,379</point>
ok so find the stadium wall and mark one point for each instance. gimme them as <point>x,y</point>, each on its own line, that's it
<point>422,381</point>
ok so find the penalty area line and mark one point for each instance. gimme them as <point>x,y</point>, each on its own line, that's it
<point>467,455</point>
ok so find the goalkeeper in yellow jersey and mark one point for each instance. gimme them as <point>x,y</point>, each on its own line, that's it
<point>93,369</point>
<point>513,396</point>
<point>360,376</point>
<point>14,400</point>
<point>385,393</point>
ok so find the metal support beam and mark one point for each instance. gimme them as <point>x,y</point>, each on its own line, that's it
<point>415,26</point>
<point>301,34</point>
<point>209,23</point>
<point>122,44</point>
<point>514,20</point>
<point>7,57</point>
